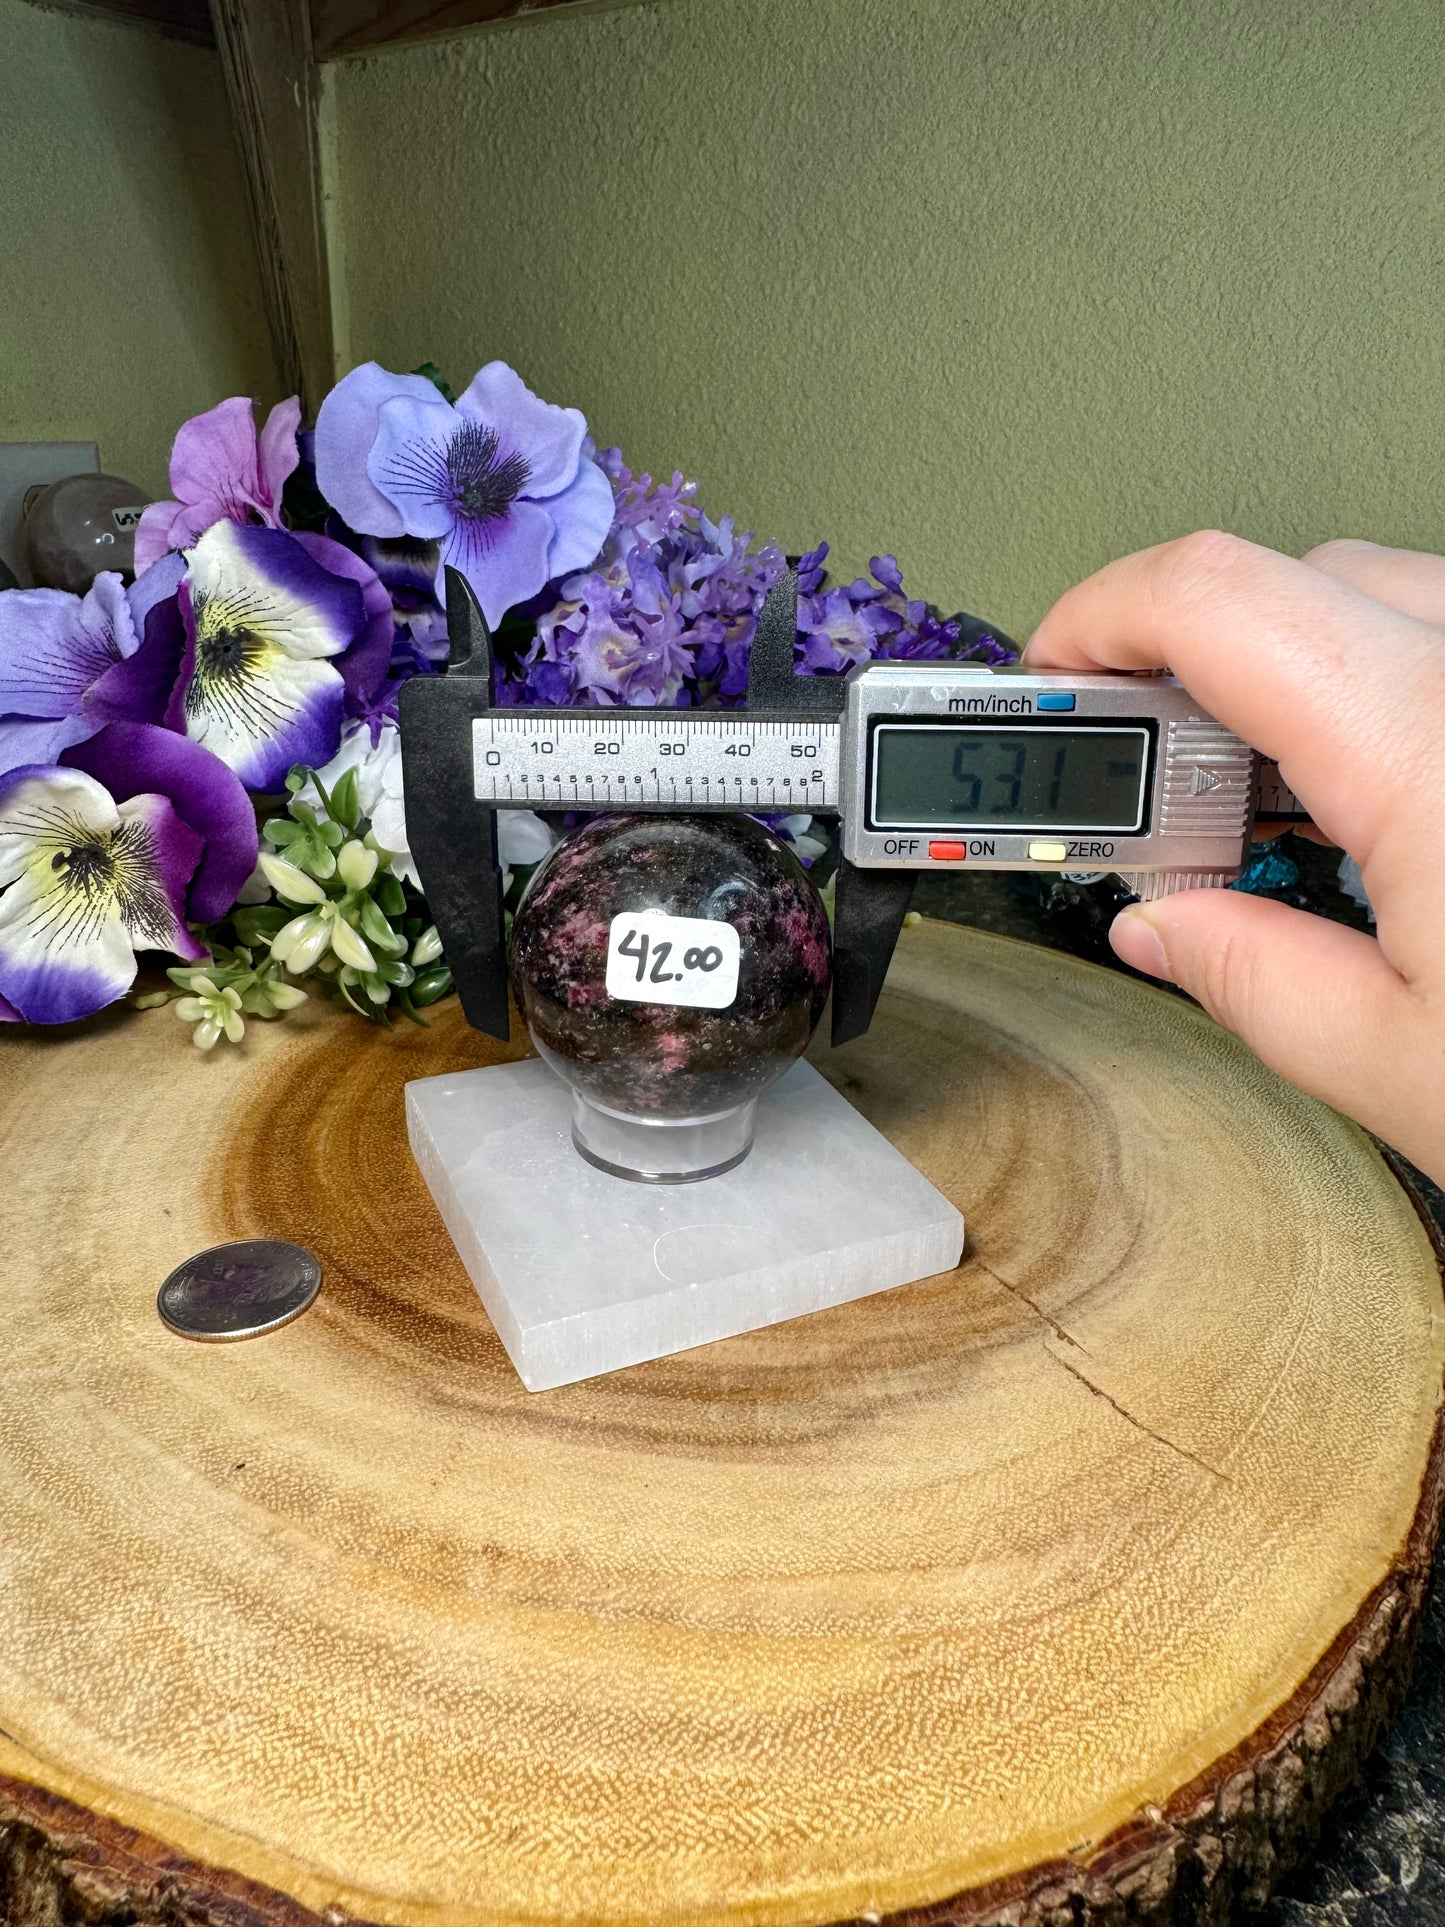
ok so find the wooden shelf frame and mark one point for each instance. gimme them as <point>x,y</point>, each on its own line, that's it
<point>272,52</point>
<point>333,29</point>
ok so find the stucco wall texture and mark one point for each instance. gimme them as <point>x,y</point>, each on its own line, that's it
<point>1006,286</point>
<point>128,290</point>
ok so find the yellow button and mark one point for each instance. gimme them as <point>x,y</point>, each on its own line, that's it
<point>1048,852</point>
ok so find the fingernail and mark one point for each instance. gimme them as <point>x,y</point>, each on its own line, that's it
<point>1136,941</point>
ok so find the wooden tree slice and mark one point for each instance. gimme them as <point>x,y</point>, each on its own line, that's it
<point>1063,1587</point>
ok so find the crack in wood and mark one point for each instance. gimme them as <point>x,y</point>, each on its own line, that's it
<point>1038,1311</point>
<point>1060,1332</point>
<point>1147,1430</point>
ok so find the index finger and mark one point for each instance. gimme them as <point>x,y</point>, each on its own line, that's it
<point>1312,672</point>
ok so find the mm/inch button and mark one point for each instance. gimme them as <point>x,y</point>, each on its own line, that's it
<point>948,852</point>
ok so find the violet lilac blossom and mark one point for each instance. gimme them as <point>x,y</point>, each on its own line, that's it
<point>500,479</point>
<point>838,628</point>
<point>667,614</point>
<point>222,470</point>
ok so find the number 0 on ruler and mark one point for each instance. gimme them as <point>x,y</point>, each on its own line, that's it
<point>656,959</point>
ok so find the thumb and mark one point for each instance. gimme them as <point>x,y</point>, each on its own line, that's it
<point>1316,1001</point>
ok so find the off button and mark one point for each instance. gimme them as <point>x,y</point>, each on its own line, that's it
<point>948,852</point>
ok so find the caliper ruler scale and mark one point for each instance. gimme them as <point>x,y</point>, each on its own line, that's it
<point>615,759</point>
<point>927,765</point>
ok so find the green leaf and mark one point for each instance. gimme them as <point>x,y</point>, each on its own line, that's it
<point>314,856</point>
<point>375,926</point>
<point>152,1000</point>
<point>181,974</point>
<point>431,984</point>
<point>389,894</point>
<point>437,379</point>
<point>257,923</point>
<point>346,993</point>
<point>320,789</point>
<point>346,800</point>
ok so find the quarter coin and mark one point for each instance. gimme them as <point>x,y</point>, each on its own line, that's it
<point>239,1290</point>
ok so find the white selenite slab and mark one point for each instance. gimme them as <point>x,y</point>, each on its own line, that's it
<point>583,1273</point>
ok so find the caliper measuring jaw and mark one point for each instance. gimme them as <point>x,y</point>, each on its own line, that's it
<point>452,833</point>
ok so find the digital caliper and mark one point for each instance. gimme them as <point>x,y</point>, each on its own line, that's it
<point>927,765</point>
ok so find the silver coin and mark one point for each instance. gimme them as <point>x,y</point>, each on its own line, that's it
<point>239,1291</point>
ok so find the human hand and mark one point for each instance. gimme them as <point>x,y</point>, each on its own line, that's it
<point>1335,667</point>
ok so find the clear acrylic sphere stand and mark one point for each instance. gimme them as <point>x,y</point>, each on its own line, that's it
<point>674,1150</point>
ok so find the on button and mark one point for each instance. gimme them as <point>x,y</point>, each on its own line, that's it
<point>948,852</point>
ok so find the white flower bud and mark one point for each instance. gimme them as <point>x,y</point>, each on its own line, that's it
<point>289,883</point>
<point>299,943</point>
<point>427,948</point>
<point>355,864</point>
<point>351,946</point>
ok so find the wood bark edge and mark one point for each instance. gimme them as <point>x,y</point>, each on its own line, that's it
<point>1225,1838</point>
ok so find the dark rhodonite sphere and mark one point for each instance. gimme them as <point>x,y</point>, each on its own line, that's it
<point>667,1061</point>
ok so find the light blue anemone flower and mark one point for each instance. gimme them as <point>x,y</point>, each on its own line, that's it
<point>504,481</point>
<point>90,882</point>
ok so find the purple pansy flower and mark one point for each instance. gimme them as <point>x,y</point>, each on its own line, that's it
<point>131,759</point>
<point>410,570</point>
<point>89,876</point>
<point>222,470</point>
<point>53,647</point>
<point>501,480</point>
<point>363,663</point>
<point>270,639</point>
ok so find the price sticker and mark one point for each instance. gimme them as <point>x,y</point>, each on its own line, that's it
<point>657,959</point>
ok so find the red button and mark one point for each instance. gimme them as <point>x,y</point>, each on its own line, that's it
<point>948,852</point>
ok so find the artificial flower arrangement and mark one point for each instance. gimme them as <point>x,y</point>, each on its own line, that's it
<point>250,674</point>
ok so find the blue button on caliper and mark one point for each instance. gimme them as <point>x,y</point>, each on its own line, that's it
<point>1056,699</point>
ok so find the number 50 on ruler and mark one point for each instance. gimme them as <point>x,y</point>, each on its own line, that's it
<point>656,959</point>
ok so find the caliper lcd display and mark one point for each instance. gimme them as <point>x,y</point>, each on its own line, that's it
<point>997,776</point>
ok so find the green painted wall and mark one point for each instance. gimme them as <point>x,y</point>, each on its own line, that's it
<point>128,292</point>
<point>1009,286</point>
